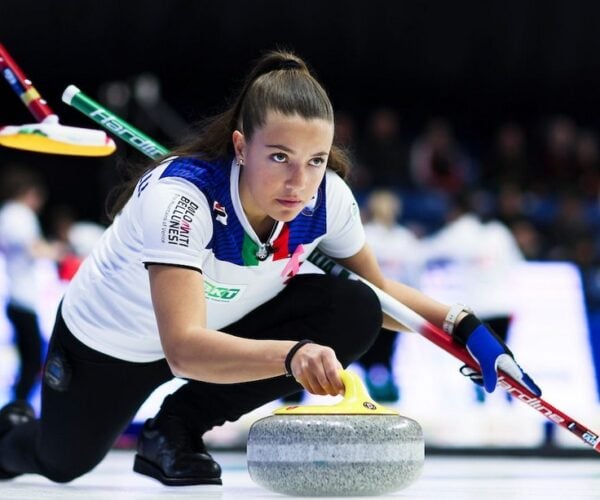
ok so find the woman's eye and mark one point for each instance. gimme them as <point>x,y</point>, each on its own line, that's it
<point>317,162</point>
<point>279,157</point>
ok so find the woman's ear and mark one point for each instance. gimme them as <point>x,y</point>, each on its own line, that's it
<point>239,146</point>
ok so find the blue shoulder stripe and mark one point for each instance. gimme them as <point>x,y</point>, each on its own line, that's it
<point>228,234</point>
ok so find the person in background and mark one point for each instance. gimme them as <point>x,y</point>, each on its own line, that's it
<point>475,260</point>
<point>78,238</point>
<point>397,251</point>
<point>437,161</point>
<point>22,244</point>
<point>345,135</point>
<point>507,163</point>
<point>587,158</point>
<point>383,154</point>
<point>557,170</point>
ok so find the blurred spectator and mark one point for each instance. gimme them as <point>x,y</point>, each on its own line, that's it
<point>558,168</point>
<point>470,262</point>
<point>21,241</point>
<point>511,203</point>
<point>383,153</point>
<point>508,161</point>
<point>398,254</point>
<point>345,131</point>
<point>437,162</point>
<point>345,137</point>
<point>587,159</point>
<point>78,238</point>
<point>530,240</point>
<point>568,226</point>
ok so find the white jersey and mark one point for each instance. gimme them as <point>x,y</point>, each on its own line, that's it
<point>471,262</point>
<point>19,230</point>
<point>397,250</point>
<point>187,212</point>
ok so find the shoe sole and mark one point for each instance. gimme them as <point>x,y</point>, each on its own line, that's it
<point>143,466</point>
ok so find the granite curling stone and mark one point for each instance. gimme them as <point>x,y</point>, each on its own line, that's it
<point>352,448</point>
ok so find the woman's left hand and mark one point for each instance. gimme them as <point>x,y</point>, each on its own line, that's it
<point>491,353</point>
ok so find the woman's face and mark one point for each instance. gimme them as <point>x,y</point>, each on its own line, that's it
<point>283,164</point>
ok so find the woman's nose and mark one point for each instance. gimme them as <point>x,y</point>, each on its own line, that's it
<point>296,178</point>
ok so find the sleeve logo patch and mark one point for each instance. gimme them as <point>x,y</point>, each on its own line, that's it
<point>177,223</point>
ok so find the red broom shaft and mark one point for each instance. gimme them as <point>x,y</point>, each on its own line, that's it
<point>443,340</point>
<point>23,86</point>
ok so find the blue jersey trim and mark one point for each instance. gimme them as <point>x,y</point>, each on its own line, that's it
<point>213,180</point>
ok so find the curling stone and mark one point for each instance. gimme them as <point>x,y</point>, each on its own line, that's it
<point>355,447</point>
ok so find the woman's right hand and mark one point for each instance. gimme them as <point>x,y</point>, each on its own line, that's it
<point>317,369</point>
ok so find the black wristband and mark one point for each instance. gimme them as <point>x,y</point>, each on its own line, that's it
<point>465,328</point>
<point>290,355</point>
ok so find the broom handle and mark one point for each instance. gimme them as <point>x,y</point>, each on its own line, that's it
<point>111,122</point>
<point>399,312</point>
<point>23,87</point>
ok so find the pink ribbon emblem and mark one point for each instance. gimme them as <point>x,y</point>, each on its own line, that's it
<point>293,266</point>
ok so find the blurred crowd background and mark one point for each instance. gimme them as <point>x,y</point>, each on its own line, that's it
<point>484,110</point>
<point>494,100</point>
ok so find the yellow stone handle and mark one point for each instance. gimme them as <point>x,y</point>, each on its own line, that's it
<point>356,402</point>
<point>355,391</point>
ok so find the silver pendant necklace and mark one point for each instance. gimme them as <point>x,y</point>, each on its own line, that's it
<point>265,249</point>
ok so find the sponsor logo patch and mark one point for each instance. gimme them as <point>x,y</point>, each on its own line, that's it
<point>220,212</point>
<point>177,223</point>
<point>222,292</point>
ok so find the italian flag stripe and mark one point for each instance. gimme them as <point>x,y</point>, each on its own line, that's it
<point>249,249</point>
<point>281,244</point>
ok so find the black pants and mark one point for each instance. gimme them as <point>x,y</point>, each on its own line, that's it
<point>78,426</point>
<point>28,340</point>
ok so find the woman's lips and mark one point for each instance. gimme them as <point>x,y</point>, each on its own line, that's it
<point>290,203</point>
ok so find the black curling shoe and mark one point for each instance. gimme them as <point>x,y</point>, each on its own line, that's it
<point>12,415</point>
<point>168,452</point>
